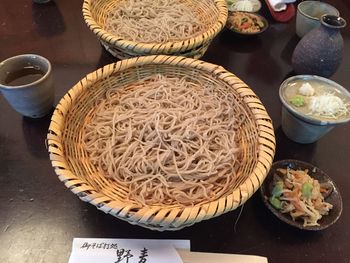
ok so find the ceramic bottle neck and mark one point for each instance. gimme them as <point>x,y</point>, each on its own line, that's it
<point>332,23</point>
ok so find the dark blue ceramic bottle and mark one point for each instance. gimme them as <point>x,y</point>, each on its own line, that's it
<point>319,52</point>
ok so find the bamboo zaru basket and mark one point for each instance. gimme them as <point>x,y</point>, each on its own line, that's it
<point>213,12</point>
<point>74,169</point>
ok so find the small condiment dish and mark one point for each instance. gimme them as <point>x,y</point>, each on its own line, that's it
<point>333,196</point>
<point>231,26</point>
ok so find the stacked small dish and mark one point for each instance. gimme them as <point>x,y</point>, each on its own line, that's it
<point>244,5</point>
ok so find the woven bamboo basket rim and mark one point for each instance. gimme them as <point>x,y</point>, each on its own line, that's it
<point>173,47</point>
<point>172,217</point>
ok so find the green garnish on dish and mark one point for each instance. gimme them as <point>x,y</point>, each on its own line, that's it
<point>298,101</point>
<point>306,189</point>
<point>277,189</point>
<point>275,202</point>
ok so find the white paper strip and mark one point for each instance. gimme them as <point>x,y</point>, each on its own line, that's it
<point>92,250</point>
<point>199,257</point>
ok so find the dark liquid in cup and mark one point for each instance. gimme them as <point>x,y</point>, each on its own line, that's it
<point>24,76</point>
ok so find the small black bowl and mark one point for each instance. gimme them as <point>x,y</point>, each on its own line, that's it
<point>333,198</point>
<point>230,27</point>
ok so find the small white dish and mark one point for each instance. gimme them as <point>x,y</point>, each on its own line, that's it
<point>244,5</point>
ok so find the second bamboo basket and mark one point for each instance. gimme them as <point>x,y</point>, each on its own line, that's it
<point>213,12</point>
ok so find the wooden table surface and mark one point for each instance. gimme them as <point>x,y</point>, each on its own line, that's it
<point>39,217</point>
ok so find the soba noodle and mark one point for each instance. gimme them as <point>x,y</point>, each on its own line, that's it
<point>167,140</point>
<point>154,21</point>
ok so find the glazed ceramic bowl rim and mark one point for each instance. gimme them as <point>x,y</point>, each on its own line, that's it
<point>301,4</point>
<point>266,24</point>
<point>29,57</point>
<point>304,117</point>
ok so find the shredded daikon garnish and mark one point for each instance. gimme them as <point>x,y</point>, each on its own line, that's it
<point>328,105</point>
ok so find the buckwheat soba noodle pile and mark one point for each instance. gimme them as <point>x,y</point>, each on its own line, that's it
<point>154,21</point>
<point>167,140</point>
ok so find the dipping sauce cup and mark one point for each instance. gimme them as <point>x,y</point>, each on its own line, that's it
<point>26,83</point>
